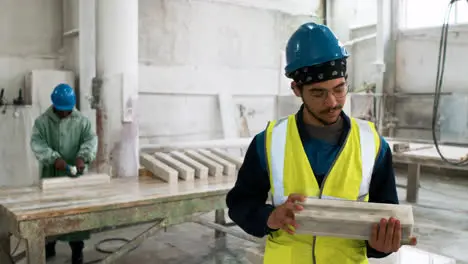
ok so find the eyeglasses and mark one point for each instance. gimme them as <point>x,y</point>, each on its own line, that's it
<point>321,93</point>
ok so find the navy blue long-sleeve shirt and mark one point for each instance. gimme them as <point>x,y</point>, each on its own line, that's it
<point>246,201</point>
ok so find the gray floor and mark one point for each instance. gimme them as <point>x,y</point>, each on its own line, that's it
<point>441,215</point>
<point>441,226</point>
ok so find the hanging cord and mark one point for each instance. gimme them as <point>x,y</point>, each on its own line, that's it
<point>439,82</point>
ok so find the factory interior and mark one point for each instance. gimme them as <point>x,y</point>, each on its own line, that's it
<point>175,91</point>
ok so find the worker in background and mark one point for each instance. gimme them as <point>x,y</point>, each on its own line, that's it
<point>62,139</point>
<point>317,152</point>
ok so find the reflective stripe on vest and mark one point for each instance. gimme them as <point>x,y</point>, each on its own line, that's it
<point>348,179</point>
<point>277,159</point>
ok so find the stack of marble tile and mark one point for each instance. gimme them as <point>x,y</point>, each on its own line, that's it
<point>187,165</point>
<point>67,182</point>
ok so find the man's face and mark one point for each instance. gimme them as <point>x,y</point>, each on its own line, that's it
<point>62,114</point>
<point>324,100</point>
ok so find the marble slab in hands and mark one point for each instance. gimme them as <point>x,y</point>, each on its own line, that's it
<point>350,219</point>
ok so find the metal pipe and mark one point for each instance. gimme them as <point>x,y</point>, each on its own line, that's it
<point>413,127</point>
<point>360,39</point>
<point>419,94</point>
<point>380,64</point>
<point>325,12</point>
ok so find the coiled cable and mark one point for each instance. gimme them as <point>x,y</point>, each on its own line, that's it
<point>438,86</point>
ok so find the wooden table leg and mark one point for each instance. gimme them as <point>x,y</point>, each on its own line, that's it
<point>412,187</point>
<point>5,249</point>
<point>35,250</point>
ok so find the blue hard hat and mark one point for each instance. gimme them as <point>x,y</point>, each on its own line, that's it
<point>63,97</point>
<point>312,44</point>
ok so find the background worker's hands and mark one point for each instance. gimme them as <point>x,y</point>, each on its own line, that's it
<point>60,164</point>
<point>283,215</point>
<point>72,172</point>
<point>80,165</point>
<point>386,236</point>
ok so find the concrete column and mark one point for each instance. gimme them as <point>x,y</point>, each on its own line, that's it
<point>87,55</point>
<point>382,43</point>
<point>117,67</point>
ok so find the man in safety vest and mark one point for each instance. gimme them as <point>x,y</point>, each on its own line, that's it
<point>318,152</point>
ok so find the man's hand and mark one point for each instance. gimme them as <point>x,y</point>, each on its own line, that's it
<point>386,236</point>
<point>283,215</point>
<point>60,164</point>
<point>80,165</point>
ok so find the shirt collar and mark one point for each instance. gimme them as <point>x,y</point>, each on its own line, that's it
<point>305,136</point>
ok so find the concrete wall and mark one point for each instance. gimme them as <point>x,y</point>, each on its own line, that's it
<point>70,23</point>
<point>417,55</point>
<point>349,14</point>
<point>418,51</point>
<point>192,50</point>
<point>351,20</point>
<point>30,38</point>
<point>189,52</point>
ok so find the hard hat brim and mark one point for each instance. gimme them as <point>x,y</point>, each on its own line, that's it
<point>64,108</point>
<point>292,67</point>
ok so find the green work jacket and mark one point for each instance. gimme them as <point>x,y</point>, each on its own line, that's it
<point>66,138</point>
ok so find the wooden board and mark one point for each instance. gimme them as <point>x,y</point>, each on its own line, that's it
<point>233,159</point>
<point>67,182</point>
<point>214,169</point>
<point>201,171</point>
<point>348,219</point>
<point>185,172</point>
<point>159,168</point>
<point>228,167</point>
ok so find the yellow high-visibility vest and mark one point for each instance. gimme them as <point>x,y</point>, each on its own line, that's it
<point>348,179</point>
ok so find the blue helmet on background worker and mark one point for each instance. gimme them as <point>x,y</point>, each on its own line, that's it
<point>312,45</point>
<point>63,97</point>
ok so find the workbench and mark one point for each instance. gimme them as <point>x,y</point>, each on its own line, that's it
<point>425,154</point>
<point>421,153</point>
<point>33,215</point>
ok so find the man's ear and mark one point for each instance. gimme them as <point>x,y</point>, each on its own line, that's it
<point>297,90</point>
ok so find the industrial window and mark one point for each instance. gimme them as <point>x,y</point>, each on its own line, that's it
<point>424,13</point>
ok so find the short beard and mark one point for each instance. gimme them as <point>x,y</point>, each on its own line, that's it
<point>325,123</point>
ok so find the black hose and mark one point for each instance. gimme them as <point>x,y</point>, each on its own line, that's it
<point>98,248</point>
<point>15,258</point>
<point>439,83</point>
